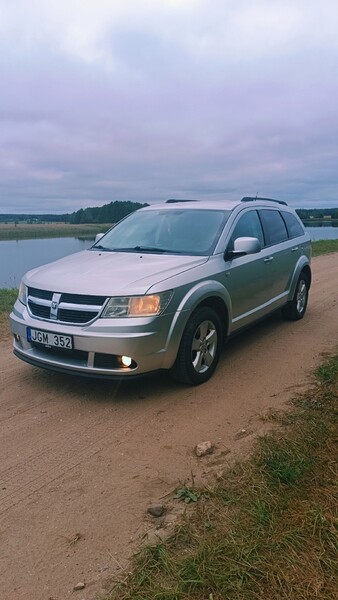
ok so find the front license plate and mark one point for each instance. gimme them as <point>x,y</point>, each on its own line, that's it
<point>46,338</point>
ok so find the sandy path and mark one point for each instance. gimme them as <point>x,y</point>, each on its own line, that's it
<point>86,457</point>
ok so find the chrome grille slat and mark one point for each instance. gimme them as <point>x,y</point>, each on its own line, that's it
<point>40,301</point>
<point>89,307</point>
<point>39,311</point>
<point>76,309</point>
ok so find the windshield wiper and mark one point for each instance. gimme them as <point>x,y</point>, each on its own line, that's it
<point>99,247</point>
<point>151,249</point>
<point>155,249</point>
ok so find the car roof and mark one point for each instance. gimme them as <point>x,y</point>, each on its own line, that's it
<point>193,205</point>
<point>216,204</point>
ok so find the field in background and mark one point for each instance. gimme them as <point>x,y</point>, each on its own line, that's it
<point>25,231</point>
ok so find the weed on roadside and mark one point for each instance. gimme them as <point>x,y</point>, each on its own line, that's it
<point>7,299</point>
<point>268,529</point>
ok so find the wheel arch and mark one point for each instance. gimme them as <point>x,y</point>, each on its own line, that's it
<point>219,306</point>
<point>200,347</point>
<point>306,269</point>
<point>210,294</point>
<point>302,266</point>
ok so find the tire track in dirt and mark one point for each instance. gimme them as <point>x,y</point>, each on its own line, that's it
<point>87,456</point>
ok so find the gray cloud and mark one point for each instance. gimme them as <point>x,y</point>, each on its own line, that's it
<point>146,101</point>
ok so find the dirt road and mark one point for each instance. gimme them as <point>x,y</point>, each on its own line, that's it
<point>81,460</point>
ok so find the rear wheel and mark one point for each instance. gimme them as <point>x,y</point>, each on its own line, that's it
<point>200,347</point>
<point>296,308</point>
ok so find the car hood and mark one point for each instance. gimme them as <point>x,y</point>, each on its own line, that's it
<point>109,273</point>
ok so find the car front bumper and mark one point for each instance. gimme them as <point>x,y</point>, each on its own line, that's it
<point>151,343</point>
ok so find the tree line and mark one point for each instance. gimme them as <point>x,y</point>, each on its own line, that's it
<point>108,213</point>
<point>115,211</point>
<point>317,213</point>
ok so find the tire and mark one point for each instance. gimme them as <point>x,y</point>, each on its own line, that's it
<point>200,347</point>
<point>296,308</point>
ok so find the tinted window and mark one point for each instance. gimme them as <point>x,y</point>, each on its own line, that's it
<point>248,225</point>
<point>274,226</point>
<point>293,226</point>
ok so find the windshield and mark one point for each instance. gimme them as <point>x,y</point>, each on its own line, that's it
<point>180,231</point>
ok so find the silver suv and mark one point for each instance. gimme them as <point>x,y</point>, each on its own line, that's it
<point>163,289</point>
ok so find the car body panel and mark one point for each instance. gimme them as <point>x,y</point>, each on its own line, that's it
<point>94,272</point>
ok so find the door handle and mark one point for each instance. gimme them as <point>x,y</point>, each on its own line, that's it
<point>269,259</point>
<point>295,249</point>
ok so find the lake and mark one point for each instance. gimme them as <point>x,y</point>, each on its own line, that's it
<point>19,256</point>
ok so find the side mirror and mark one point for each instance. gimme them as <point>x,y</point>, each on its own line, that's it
<point>243,246</point>
<point>98,237</point>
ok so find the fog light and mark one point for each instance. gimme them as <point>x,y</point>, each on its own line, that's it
<point>126,361</point>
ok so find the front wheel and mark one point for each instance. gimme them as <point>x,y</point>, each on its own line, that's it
<point>200,347</point>
<point>296,308</point>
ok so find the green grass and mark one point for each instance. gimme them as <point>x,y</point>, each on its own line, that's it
<point>324,247</point>
<point>7,299</point>
<point>268,529</point>
<point>45,230</point>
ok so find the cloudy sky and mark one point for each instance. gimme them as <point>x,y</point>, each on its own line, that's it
<point>144,100</point>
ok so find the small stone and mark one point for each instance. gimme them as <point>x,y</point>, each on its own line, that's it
<point>204,448</point>
<point>79,586</point>
<point>159,523</point>
<point>242,433</point>
<point>156,510</point>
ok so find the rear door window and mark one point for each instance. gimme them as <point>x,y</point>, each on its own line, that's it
<point>274,226</point>
<point>293,226</point>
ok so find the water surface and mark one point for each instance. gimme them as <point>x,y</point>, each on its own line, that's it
<point>19,256</point>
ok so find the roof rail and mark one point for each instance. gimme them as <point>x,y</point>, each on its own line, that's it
<point>252,199</point>
<point>174,200</point>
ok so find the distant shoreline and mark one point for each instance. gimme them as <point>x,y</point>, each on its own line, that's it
<point>319,222</point>
<point>26,231</point>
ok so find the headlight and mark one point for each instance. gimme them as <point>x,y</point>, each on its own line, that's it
<point>22,296</point>
<point>137,306</point>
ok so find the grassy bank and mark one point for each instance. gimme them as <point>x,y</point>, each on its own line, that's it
<point>269,528</point>
<point>7,299</point>
<point>324,247</point>
<point>24,231</point>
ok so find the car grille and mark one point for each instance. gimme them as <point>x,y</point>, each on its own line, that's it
<point>38,310</point>
<point>77,309</point>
